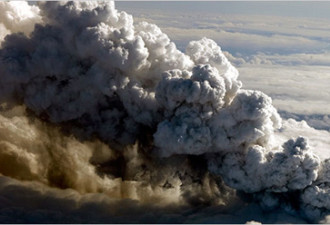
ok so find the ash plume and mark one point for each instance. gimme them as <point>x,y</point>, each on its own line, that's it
<point>98,110</point>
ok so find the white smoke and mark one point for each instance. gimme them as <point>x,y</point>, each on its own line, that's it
<point>17,17</point>
<point>93,102</point>
<point>293,168</point>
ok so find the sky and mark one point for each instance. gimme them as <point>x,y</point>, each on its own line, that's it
<point>292,9</point>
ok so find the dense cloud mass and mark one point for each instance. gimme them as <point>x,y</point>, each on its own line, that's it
<point>17,17</point>
<point>97,111</point>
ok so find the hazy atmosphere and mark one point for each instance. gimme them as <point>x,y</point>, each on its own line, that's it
<point>164,112</point>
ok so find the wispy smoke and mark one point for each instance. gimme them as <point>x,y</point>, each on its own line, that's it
<point>95,103</point>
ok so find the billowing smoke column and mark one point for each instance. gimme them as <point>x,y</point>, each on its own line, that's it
<point>95,103</point>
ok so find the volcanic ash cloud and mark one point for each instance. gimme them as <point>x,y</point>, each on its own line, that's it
<point>96,103</point>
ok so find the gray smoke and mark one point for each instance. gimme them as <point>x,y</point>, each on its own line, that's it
<point>93,103</point>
